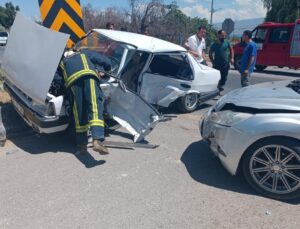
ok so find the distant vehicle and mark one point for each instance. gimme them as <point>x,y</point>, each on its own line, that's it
<point>3,38</point>
<point>256,130</point>
<point>278,44</point>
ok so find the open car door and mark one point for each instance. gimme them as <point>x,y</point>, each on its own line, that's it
<point>168,77</point>
<point>130,110</point>
<point>124,106</point>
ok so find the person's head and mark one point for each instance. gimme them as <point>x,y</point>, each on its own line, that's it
<point>144,30</point>
<point>110,26</point>
<point>247,34</point>
<point>221,35</point>
<point>124,29</point>
<point>201,32</point>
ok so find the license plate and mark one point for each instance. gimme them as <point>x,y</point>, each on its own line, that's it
<point>18,107</point>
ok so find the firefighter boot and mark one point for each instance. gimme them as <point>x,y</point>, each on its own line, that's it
<point>99,147</point>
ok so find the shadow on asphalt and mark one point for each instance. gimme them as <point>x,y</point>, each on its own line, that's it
<point>204,168</point>
<point>53,143</point>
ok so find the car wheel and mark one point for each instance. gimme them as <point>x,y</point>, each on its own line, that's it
<point>237,62</point>
<point>260,68</point>
<point>272,167</point>
<point>188,103</point>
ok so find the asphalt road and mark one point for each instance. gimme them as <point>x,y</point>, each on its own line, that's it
<point>178,185</point>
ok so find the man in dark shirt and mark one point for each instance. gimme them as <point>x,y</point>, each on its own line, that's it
<point>221,54</point>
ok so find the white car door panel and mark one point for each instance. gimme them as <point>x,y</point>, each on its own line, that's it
<point>162,90</point>
<point>130,110</point>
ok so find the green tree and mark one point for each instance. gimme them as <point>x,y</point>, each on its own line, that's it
<point>211,33</point>
<point>179,26</point>
<point>282,10</point>
<point>7,14</point>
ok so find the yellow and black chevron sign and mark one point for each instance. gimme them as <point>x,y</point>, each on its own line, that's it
<point>64,16</point>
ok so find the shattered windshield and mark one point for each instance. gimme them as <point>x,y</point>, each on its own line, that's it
<point>118,53</point>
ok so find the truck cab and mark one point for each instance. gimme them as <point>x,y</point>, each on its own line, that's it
<point>278,44</point>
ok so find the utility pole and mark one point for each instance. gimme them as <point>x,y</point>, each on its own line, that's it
<point>211,12</point>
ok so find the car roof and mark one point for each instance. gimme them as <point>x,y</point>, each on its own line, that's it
<point>274,24</point>
<point>142,42</point>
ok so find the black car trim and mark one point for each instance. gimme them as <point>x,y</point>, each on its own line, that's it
<point>251,110</point>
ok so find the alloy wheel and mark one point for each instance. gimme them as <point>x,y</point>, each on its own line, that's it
<point>276,168</point>
<point>191,100</point>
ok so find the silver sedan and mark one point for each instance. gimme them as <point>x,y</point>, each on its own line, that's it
<point>256,130</point>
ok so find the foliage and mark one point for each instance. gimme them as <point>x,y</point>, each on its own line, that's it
<point>282,10</point>
<point>165,21</point>
<point>7,14</point>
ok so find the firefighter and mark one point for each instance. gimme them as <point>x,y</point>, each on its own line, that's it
<point>83,86</point>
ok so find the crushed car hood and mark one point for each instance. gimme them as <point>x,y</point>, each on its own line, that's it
<point>31,57</point>
<point>265,96</point>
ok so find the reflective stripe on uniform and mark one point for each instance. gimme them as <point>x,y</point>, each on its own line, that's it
<point>97,123</point>
<point>84,61</point>
<point>82,130</point>
<point>62,66</point>
<point>79,74</point>
<point>78,127</point>
<point>94,100</point>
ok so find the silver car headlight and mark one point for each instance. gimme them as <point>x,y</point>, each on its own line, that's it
<point>228,118</point>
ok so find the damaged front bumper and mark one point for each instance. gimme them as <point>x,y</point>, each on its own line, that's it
<point>40,123</point>
<point>226,142</point>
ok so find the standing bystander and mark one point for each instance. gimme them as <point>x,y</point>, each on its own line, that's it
<point>221,54</point>
<point>110,26</point>
<point>248,59</point>
<point>196,45</point>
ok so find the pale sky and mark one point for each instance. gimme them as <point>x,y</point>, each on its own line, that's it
<point>235,9</point>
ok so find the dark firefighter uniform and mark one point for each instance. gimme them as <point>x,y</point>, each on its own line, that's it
<point>83,86</point>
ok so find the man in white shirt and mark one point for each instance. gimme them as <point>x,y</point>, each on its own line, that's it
<point>196,45</point>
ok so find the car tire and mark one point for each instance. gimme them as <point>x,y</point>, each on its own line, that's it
<point>260,68</point>
<point>188,103</point>
<point>277,177</point>
<point>237,62</point>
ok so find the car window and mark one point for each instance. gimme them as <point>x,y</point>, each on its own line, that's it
<point>130,74</point>
<point>260,35</point>
<point>114,50</point>
<point>171,65</point>
<point>3,34</point>
<point>280,35</point>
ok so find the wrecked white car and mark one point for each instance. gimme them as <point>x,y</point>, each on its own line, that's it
<point>30,68</point>
<point>159,71</point>
<point>139,62</point>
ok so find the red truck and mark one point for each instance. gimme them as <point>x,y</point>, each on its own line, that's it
<point>278,44</point>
